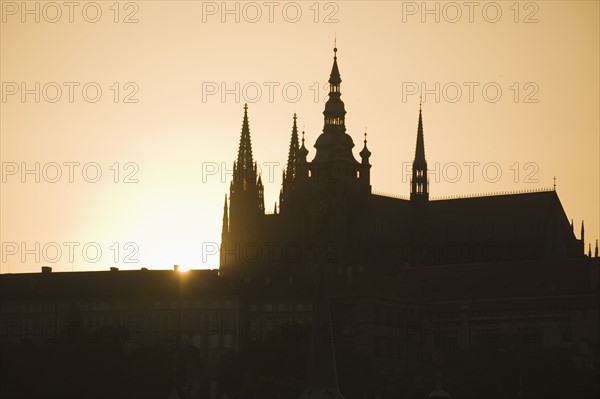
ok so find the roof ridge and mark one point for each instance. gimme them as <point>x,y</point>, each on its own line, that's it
<point>493,194</point>
<point>389,195</point>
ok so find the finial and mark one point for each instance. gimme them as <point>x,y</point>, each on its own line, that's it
<point>245,106</point>
<point>420,102</point>
<point>365,135</point>
<point>554,183</point>
<point>335,46</point>
<point>302,135</point>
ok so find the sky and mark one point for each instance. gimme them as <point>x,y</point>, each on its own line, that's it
<point>119,121</point>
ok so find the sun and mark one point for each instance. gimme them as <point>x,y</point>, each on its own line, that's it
<point>183,269</point>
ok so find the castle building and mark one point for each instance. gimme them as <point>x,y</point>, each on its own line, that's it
<point>386,280</point>
<point>329,213</point>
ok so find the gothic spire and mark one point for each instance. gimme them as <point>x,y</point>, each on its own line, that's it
<point>582,234</point>
<point>291,171</point>
<point>420,147</point>
<point>225,229</point>
<point>419,183</point>
<point>245,162</point>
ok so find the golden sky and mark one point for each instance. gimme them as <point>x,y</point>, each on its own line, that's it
<point>510,86</point>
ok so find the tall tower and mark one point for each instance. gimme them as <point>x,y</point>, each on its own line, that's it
<point>335,184</point>
<point>246,198</point>
<point>583,236</point>
<point>225,228</point>
<point>334,144</point>
<point>334,162</point>
<point>290,174</point>
<point>365,154</point>
<point>419,183</point>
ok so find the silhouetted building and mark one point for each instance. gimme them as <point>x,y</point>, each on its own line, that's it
<point>490,281</point>
<point>328,213</point>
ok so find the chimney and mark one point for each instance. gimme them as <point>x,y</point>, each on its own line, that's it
<point>114,269</point>
<point>46,269</point>
<point>176,268</point>
<point>144,269</point>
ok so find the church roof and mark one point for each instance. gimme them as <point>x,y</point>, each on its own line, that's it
<point>496,216</point>
<point>533,223</point>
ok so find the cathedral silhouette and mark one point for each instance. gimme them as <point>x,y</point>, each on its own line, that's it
<point>328,213</point>
<point>339,293</point>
